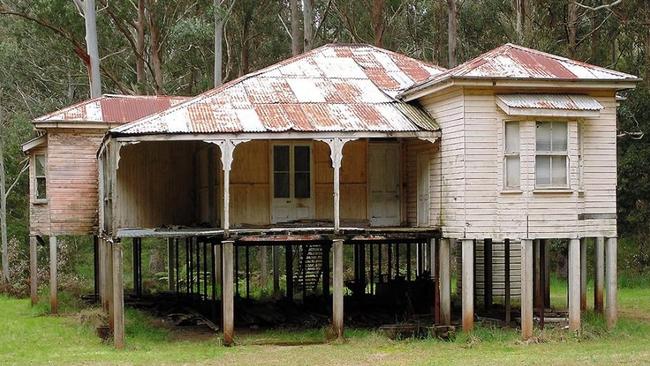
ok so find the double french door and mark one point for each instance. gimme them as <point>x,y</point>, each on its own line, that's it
<point>292,186</point>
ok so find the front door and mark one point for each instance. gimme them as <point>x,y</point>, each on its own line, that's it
<point>383,184</point>
<point>291,182</point>
<point>423,189</point>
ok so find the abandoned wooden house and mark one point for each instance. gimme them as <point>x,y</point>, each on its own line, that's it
<point>356,147</point>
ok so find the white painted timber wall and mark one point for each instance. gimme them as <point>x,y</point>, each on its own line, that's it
<point>448,166</point>
<point>474,202</point>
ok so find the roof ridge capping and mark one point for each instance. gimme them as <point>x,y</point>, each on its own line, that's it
<point>502,63</point>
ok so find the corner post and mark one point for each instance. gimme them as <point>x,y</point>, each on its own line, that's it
<point>227,297</point>
<point>574,284</point>
<point>118,296</point>
<point>599,278</point>
<point>468,284</point>
<point>611,315</point>
<point>445,281</point>
<point>337,298</point>
<point>33,270</point>
<point>527,269</point>
<point>54,301</point>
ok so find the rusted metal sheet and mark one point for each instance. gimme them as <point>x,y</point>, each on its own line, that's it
<point>516,62</point>
<point>112,109</point>
<point>332,88</point>
<point>576,102</point>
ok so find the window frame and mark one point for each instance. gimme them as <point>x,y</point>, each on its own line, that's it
<point>507,154</point>
<point>551,153</point>
<point>37,177</point>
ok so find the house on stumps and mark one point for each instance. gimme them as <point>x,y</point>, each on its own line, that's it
<point>353,147</point>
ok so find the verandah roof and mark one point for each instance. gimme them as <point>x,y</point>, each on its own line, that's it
<point>335,88</point>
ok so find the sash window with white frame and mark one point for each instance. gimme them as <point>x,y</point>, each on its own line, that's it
<point>40,177</point>
<point>511,159</point>
<point>551,162</point>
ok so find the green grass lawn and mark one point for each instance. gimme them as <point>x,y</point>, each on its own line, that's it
<point>29,336</point>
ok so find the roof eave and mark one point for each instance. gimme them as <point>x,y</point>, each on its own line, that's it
<point>447,82</point>
<point>33,143</point>
<point>76,125</point>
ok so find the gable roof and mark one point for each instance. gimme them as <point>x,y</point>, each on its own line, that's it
<point>511,61</point>
<point>337,87</point>
<point>112,109</point>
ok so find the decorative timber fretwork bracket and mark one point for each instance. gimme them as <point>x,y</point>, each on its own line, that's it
<point>336,155</point>
<point>227,147</point>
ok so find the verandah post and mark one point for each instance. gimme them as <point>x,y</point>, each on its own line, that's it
<point>574,284</point>
<point>33,270</point>
<point>468,284</point>
<point>227,297</point>
<point>527,268</point>
<point>445,280</point>
<point>599,278</point>
<point>337,298</point>
<point>611,307</point>
<point>118,296</point>
<point>54,301</point>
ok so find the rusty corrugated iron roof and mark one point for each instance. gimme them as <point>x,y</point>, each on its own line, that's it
<point>576,102</point>
<point>517,62</point>
<point>336,87</point>
<point>111,108</point>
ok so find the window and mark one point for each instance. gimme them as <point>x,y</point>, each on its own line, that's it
<point>551,154</point>
<point>511,155</point>
<point>291,171</point>
<point>40,174</point>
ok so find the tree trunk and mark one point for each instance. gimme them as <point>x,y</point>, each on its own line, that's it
<point>218,42</point>
<point>139,61</point>
<point>295,28</point>
<point>92,48</point>
<point>519,19</point>
<point>244,59</point>
<point>378,22</point>
<point>154,33</point>
<point>452,32</point>
<point>3,209</point>
<point>308,23</point>
<point>572,20</point>
<point>647,44</point>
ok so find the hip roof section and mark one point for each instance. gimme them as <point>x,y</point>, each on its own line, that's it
<point>112,109</point>
<point>515,62</point>
<point>336,87</point>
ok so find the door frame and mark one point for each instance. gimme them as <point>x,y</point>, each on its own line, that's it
<point>398,144</point>
<point>312,180</point>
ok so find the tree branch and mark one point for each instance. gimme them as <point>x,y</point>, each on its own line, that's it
<point>599,7</point>
<point>23,170</point>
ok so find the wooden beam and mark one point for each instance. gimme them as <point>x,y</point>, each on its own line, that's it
<point>445,280</point>
<point>33,270</point>
<point>118,296</point>
<point>54,301</point>
<point>599,277</point>
<point>468,284</point>
<point>574,284</point>
<point>337,298</point>
<point>527,288</point>
<point>228,304</point>
<point>611,314</point>
<point>506,278</point>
